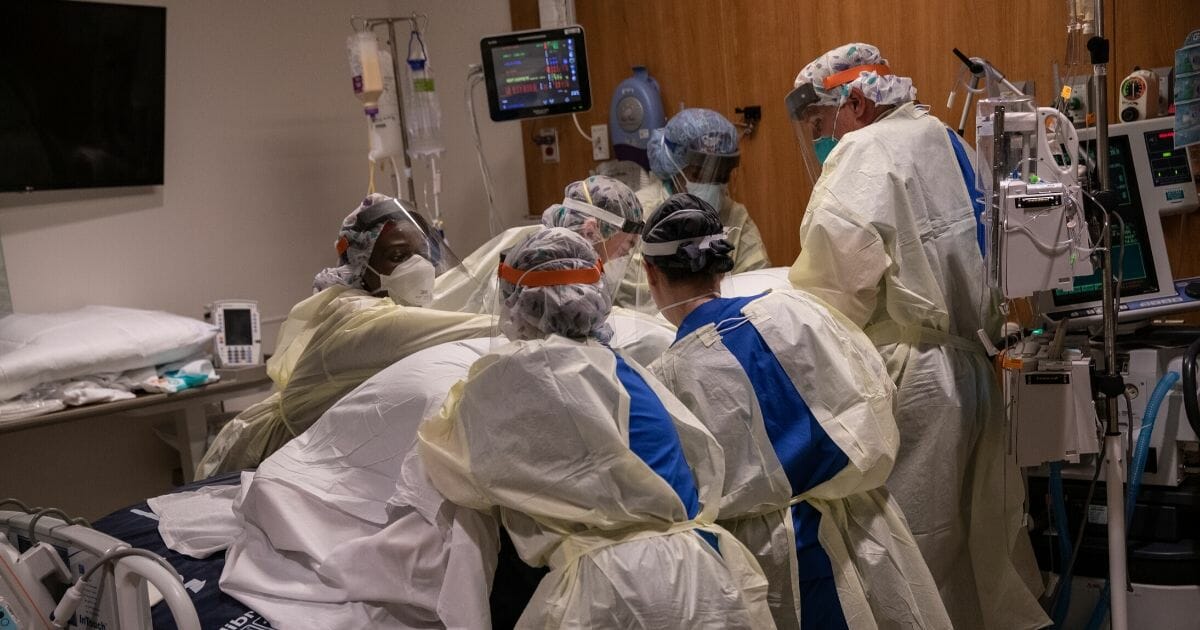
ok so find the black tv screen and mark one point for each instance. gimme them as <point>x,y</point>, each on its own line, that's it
<point>81,94</point>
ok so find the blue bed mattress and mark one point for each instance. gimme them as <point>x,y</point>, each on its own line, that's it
<point>138,526</point>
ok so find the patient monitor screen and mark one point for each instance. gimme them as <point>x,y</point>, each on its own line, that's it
<point>1138,276</point>
<point>536,74</point>
<point>237,327</point>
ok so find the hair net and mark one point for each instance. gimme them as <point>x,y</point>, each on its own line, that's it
<point>886,89</point>
<point>602,192</point>
<point>570,310</point>
<point>694,128</point>
<point>694,228</point>
<point>352,261</point>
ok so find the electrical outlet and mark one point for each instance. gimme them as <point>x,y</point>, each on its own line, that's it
<point>599,142</point>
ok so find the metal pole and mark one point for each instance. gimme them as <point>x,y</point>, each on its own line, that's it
<point>1114,462</point>
<point>966,111</point>
<point>999,156</point>
<point>408,178</point>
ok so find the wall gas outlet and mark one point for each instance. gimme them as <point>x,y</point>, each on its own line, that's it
<point>599,142</point>
<point>547,141</point>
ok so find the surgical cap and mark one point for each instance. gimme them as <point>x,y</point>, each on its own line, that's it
<point>695,129</point>
<point>695,229</point>
<point>603,192</point>
<point>354,251</point>
<point>887,89</point>
<point>571,310</point>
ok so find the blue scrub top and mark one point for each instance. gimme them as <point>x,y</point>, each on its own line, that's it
<point>968,175</point>
<point>652,437</point>
<point>809,457</point>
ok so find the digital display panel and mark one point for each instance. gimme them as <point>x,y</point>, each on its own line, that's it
<point>536,75</point>
<point>1138,275</point>
<point>539,73</point>
<point>1168,165</point>
<point>82,95</point>
<point>238,329</point>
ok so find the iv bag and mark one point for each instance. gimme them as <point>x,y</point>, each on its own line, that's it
<point>386,139</point>
<point>422,115</point>
<point>365,73</point>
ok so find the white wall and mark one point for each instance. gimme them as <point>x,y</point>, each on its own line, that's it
<point>265,154</point>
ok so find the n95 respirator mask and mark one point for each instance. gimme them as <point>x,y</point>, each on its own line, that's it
<point>410,283</point>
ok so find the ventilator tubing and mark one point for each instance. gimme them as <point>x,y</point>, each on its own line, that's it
<point>1117,545</point>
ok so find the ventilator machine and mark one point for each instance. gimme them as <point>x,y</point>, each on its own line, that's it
<point>1073,222</point>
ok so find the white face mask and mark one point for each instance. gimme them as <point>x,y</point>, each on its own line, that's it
<point>711,193</point>
<point>410,283</point>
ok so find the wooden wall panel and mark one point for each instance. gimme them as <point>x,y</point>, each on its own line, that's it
<point>724,54</point>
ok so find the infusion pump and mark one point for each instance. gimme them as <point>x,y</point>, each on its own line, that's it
<point>239,336</point>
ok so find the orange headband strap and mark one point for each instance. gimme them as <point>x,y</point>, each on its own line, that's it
<point>850,74</point>
<point>591,275</point>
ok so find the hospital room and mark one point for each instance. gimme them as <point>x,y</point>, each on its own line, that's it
<point>658,314</point>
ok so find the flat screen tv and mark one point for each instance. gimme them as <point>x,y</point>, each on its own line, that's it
<point>81,94</point>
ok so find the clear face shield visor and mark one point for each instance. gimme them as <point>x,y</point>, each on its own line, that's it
<point>617,241</point>
<point>703,167</point>
<point>409,234</point>
<point>811,121</point>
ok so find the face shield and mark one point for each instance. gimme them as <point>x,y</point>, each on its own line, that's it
<point>705,168</point>
<point>814,113</point>
<point>615,239</point>
<point>407,254</point>
<point>706,175</point>
<point>813,124</point>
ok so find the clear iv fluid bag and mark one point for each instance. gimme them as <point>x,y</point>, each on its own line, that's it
<point>386,140</point>
<point>365,73</point>
<point>422,115</point>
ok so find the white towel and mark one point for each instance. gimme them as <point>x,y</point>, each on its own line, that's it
<point>198,523</point>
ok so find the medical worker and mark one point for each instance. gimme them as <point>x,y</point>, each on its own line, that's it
<point>697,152</point>
<point>888,239</point>
<point>368,312</point>
<point>601,209</point>
<point>591,464</point>
<point>802,406</point>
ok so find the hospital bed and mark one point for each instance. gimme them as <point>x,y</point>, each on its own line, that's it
<point>513,581</point>
<point>137,525</point>
<point>60,574</point>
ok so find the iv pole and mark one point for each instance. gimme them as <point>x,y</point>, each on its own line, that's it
<point>413,22</point>
<point>1111,383</point>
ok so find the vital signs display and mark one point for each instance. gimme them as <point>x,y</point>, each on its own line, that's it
<point>536,73</point>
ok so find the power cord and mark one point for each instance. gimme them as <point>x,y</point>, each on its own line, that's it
<point>54,512</point>
<point>579,128</point>
<point>475,77</point>
<point>70,600</point>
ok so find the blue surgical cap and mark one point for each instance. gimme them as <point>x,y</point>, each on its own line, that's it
<point>696,129</point>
